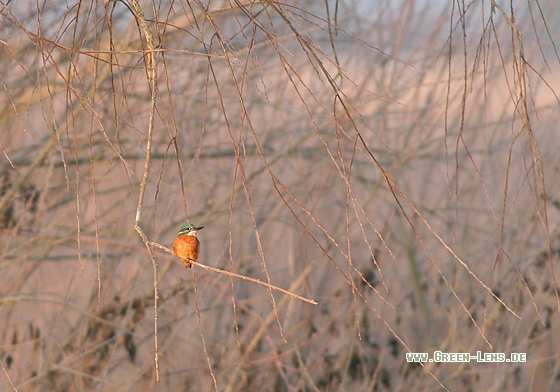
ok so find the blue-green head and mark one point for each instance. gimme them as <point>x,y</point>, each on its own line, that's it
<point>189,229</point>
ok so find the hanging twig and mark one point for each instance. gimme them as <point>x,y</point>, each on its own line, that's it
<point>149,56</point>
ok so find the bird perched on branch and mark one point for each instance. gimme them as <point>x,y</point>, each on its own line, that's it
<point>186,246</point>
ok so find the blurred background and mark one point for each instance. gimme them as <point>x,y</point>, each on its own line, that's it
<point>395,161</point>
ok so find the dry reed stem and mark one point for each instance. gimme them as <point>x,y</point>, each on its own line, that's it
<point>7,376</point>
<point>258,335</point>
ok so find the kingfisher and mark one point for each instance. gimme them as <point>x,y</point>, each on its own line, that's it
<point>186,245</point>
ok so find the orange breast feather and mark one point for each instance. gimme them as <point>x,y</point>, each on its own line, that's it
<point>186,248</point>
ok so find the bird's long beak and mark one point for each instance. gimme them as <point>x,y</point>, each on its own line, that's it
<point>199,228</point>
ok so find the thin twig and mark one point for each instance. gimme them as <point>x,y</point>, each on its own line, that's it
<point>233,274</point>
<point>152,81</point>
<point>202,333</point>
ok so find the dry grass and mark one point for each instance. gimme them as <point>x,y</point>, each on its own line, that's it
<point>395,162</point>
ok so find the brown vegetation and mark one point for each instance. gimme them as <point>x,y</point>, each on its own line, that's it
<point>396,162</point>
